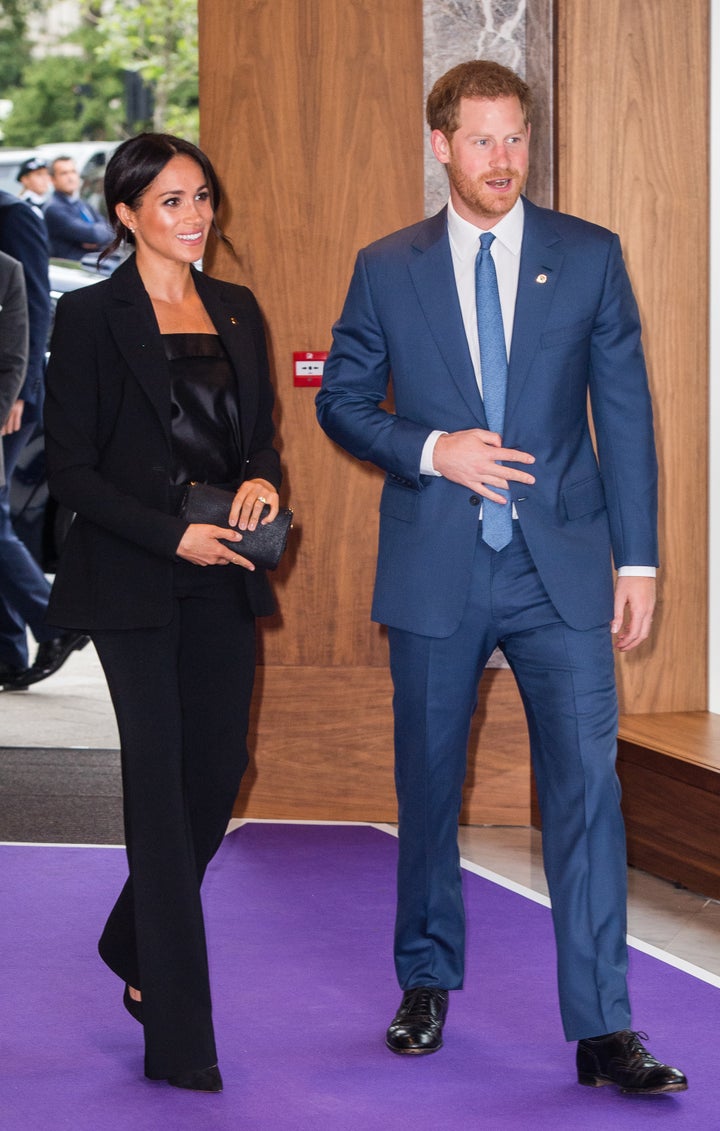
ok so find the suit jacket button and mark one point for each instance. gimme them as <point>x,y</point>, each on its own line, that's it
<point>474,501</point>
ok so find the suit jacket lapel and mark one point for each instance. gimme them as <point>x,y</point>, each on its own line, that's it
<point>135,330</point>
<point>541,259</point>
<point>434,280</point>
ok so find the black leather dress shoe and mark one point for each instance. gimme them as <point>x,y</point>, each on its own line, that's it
<point>416,1028</point>
<point>9,675</point>
<point>621,1058</point>
<point>203,1080</point>
<point>50,657</point>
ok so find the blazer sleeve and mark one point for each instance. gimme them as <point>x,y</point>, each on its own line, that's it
<point>13,334</point>
<point>25,239</point>
<point>623,419</point>
<point>75,448</point>
<point>355,385</point>
<point>263,461</point>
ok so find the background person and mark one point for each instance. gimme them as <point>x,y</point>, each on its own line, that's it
<point>34,177</point>
<point>13,348</point>
<point>74,226</point>
<point>24,589</point>
<point>159,376</point>
<point>496,319</point>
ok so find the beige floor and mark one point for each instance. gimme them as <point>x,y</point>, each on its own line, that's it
<point>73,709</point>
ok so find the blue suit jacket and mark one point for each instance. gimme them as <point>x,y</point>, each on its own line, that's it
<point>70,229</point>
<point>576,333</point>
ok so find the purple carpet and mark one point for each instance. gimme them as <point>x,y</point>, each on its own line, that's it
<point>300,923</point>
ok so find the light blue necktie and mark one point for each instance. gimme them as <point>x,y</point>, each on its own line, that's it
<point>497,519</point>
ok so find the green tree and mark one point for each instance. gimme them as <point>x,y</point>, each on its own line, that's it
<point>159,41</point>
<point>67,97</point>
<point>14,45</point>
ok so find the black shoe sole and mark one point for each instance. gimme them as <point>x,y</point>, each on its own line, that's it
<point>601,1082</point>
<point>204,1080</point>
<point>413,1052</point>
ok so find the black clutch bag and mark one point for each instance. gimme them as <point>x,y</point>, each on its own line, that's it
<point>263,546</point>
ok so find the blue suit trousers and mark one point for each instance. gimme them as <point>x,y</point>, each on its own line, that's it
<point>567,683</point>
<point>24,589</point>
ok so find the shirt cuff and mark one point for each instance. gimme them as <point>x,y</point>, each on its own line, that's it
<point>637,571</point>
<point>426,456</point>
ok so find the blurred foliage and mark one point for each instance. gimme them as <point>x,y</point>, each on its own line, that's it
<point>91,93</point>
<point>159,41</point>
<point>14,46</point>
<point>60,100</point>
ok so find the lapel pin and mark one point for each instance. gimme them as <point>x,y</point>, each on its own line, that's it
<point>233,319</point>
<point>541,278</point>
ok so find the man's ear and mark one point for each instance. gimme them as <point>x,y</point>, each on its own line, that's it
<point>440,146</point>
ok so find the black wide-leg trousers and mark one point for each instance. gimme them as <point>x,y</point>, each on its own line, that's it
<point>181,695</point>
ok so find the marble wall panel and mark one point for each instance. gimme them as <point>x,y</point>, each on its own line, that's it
<point>516,33</point>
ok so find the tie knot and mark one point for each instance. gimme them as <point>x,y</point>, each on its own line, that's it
<point>486,239</point>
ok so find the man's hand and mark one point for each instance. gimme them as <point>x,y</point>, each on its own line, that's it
<point>472,459</point>
<point>14,420</point>
<point>634,605</point>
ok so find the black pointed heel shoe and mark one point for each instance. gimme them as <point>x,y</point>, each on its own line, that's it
<point>133,1007</point>
<point>204,1080</point>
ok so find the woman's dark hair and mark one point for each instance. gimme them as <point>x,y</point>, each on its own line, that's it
<point>134,166</point>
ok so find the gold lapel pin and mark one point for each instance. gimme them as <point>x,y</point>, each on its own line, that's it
<point>233,319</point>
<point>541,278</point>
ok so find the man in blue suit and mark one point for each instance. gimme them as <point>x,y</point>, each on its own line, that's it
<point>75,228</point>
<point>24,589</point>
<point>496,319</point>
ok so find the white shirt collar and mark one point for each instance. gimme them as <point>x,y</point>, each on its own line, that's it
<point>464,236</point>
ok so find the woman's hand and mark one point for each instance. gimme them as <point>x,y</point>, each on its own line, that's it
<point>200,545</point>
<point>250,498</point>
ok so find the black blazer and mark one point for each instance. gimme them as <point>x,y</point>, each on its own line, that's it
<point>108,445</point>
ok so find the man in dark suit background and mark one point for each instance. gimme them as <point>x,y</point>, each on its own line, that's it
<point>13,341</point>
<point>495,319</point>
<point>24,589</point>
<point>74,226</point>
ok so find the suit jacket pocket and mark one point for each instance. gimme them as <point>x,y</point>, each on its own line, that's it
<point>584,497</point>
<point>398,501</point>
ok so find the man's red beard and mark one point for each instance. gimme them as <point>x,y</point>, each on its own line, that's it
<point>482,200</point>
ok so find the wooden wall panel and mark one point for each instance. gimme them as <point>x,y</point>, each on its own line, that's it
<point>632,121</point>
<point>341,769</point>
<point>312,111</point>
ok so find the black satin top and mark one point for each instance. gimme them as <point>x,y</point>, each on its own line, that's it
<point>205,414</point>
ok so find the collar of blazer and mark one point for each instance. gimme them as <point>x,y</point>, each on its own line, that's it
<point>431,270</point>
<point>135,331</point>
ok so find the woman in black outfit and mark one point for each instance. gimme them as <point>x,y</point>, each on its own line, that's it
<point>159,376</point>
